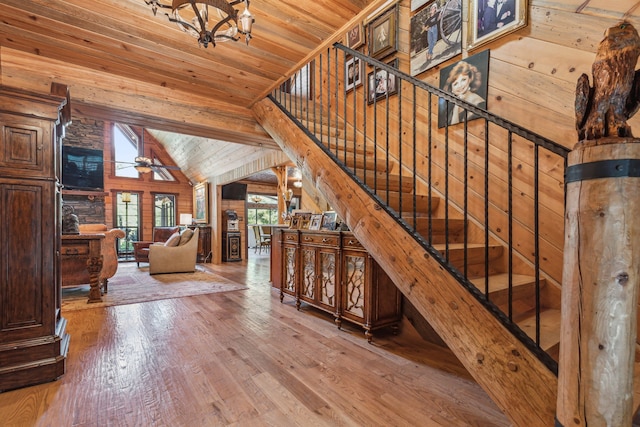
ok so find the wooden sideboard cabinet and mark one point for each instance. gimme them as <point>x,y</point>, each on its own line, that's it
<point>33,338</point>
<point>330,270</point>
<point>81,262</point>
<point>204,243</point>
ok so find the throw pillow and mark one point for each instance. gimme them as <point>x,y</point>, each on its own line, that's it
<point>186,235</point>
<point>174,240</point>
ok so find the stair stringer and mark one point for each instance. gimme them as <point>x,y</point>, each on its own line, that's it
<point>517,381</point>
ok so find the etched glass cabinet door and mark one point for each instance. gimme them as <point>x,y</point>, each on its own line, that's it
<point>354,283</point>
<point>327,279</point>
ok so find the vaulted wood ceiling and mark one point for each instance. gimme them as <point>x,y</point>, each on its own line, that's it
<point>123,63</point>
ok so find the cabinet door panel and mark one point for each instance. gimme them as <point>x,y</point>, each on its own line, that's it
<point>22,151</point>
<point>26,234</point>
<point>307,287</point>
<point>327,278</point>
<point>289,276</point>
<point>354,283</point>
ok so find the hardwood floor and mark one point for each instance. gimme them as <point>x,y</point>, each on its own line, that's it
<point>244,359</point>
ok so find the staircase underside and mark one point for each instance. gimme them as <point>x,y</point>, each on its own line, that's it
<point>516,380</point>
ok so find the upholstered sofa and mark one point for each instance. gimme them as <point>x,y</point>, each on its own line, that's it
<point>177,255</point>
<point>141,248</point>
<point>108,250</point>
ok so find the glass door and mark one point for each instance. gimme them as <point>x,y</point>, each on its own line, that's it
<point>127,217</point>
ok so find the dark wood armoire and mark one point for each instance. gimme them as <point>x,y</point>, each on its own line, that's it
<point>33,341</point>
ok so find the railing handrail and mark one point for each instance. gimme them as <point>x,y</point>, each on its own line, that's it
<point>509,125</point>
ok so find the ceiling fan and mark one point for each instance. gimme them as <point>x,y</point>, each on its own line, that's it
<point>141,163</point>
<point>146,165</point>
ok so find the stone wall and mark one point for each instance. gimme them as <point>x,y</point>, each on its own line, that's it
<point>86,133</point>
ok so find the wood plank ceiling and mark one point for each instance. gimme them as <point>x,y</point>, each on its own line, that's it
<point>123,63</point>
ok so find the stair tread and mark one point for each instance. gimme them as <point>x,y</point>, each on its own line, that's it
<point>460,246</point>
<point>549,327</point>
<point>499,282</point>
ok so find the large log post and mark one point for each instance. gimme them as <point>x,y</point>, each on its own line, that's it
<point>600,284</point>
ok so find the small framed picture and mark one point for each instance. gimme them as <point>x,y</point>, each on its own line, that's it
<point>328,221</point>
<point>354,69</point>
<point>380,83</point>
<point>296,222</point>
<point>316,222</point>
<point>355,36</point>
<point>383,31</point>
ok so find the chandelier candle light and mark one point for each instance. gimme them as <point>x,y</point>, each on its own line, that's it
<point>210,21</point>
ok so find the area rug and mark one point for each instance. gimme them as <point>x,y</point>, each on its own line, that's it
<point>132,285</point>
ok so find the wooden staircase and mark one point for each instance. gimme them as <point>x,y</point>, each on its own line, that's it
<point>447,236</point>
<point>516,379</point>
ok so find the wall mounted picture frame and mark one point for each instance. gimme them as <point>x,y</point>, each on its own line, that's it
<point>328,220</point>
<point>201,203</point>
<point>316,222</point>
<point>380,83</point>
<point>354,70</point>
<point>467,79</point>
<point>435,34</point>
<point>492,19</point>
<point>355,36</point>
<point>383,34</point>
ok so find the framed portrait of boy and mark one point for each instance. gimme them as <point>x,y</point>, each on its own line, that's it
<point>354,69</point>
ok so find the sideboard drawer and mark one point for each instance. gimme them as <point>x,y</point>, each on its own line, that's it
<point>73,250</point>
<point>350,242</point>
<point>290,236</point>
<point>320,239</point>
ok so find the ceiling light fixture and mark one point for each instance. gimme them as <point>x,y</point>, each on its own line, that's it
<point>210,21</point>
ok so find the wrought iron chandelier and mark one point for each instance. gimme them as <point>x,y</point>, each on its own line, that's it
<point>210,21</point>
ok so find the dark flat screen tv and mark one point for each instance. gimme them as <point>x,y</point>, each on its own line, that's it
<point>234,191</point>
<point>82,168</point>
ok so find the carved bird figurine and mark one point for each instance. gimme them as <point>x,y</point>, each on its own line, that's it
<point>603,110</point>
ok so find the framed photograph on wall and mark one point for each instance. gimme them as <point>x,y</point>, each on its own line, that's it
<point>468,80</point>
<point>383,32</point>
<point>380,83</point>
<point>201,203</point>
<point>492,19</point>
<point>354,69</point>
<point>435,34</point>
<point>355,36</point>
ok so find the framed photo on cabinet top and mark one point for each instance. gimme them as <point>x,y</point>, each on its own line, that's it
<point>328,220</point>
<point>492,19</point>
<point>316,222</point>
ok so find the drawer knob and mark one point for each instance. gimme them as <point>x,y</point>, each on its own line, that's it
<point>325,240</point>
<point>308,239</point>
<point>352,242</point>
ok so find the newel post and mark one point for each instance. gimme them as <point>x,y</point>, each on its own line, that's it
<point>600,284</point>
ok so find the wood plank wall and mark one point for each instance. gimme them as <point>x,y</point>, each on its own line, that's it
<point>532,78</point>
